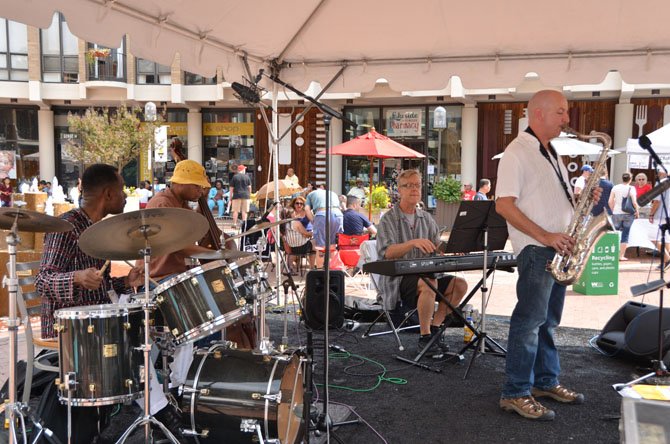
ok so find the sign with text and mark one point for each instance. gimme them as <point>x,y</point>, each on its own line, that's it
<point>404,122</point>
<point>228,129</point>
<point>601,275</point>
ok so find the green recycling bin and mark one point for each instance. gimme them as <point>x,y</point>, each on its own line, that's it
<point>601,276</point>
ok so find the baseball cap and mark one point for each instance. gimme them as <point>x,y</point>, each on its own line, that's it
<point>588,168</point>
<point>241,168</point>
<point>190,172</point>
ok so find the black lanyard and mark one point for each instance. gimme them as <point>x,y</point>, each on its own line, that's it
<point>555,167</point>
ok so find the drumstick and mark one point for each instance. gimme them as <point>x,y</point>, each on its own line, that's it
<point>156,283</point>
<point>104,267</point>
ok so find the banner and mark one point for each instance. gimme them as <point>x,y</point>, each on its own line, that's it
<point>228,129</point>
<point>160,144</point>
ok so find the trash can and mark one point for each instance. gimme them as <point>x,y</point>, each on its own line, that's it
<point>601,276</point>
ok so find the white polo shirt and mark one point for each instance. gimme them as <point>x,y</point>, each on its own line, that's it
<point>524,173</point>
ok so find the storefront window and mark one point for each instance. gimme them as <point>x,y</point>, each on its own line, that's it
<point>19,143</point>
<point>228,140</point>
<point>411,126</point>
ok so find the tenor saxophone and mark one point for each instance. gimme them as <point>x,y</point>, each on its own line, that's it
<point>585,229</point>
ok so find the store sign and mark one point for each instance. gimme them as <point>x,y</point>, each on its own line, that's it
<point>404,122</point>
<point>178,129</point>
<point>228,129</point>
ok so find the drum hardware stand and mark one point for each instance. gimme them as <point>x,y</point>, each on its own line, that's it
<point>288,283</point>
<point>147,419</point>
<point>15,409</point>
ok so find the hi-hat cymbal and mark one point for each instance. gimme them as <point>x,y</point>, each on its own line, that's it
<point>122,237</point>
<point>228,255</point>
<point>32,221</point>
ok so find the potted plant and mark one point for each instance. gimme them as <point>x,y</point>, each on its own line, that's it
<point>379,199</point>
<point>448,194</point>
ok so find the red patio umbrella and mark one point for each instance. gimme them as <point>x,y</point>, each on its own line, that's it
<point>374,146</point>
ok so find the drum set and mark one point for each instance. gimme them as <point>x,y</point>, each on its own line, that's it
<point>231,395</point>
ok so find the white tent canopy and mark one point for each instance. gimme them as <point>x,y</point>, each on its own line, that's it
<point>569,146</point>
<point>660,142</point>
<point>417,45</point>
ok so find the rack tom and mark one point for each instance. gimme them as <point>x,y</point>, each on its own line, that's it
<point>200,301</point>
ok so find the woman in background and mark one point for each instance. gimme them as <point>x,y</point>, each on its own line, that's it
<point>6,192</point>
<point>216,198</point>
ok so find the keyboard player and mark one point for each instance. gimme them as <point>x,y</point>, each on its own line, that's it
<point>408,232</point>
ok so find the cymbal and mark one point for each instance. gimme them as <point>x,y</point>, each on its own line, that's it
<point>228,255</point>
<point>264,226</point>
<point>32,221</point>
<point>122,237</point>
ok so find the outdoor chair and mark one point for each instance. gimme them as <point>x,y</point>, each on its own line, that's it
<point>349,250</point>
<point>28,303</point>
<point>368,253</point>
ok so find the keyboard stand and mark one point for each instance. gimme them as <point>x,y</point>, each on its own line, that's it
<point>452,356</point>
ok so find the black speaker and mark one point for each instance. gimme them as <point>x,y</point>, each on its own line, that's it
<point>632,332</point>
<point>315,300</point>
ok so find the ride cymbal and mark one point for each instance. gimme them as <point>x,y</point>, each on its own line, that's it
<point>32,221</point>
<point>123,237</point>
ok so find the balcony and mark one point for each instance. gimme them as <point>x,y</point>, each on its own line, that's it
<point>110,68</point>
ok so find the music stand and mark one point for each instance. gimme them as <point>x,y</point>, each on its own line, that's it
<point>478,227</point>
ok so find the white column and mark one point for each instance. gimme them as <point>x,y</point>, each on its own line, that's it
<point>469,122</point>
<point>194,128</point>
<point>623,130</point>
<point>45,122</point>
<point>336,161</point>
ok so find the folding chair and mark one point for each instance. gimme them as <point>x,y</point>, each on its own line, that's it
<point>368,253</point>
<point>28,303</point>
<point>348,247</point>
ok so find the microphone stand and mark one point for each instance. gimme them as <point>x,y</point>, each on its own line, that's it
<point>658,367</point>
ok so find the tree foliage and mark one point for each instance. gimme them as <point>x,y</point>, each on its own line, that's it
<point>109,136</point>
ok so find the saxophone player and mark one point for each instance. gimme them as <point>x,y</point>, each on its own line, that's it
<point>535,199</point>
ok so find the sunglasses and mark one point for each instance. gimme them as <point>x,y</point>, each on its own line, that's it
<point>299,204</point>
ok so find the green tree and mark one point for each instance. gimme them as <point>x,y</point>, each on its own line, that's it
<point>114,137</point>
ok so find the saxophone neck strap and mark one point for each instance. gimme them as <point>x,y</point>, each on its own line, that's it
<point>554,165</point>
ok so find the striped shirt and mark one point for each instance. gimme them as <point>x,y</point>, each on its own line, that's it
<point>55,280</point>
<point>395,228</point>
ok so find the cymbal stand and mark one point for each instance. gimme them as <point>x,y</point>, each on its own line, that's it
<point>147,419</point>
<point>13,324</point>
<point>261,288</point>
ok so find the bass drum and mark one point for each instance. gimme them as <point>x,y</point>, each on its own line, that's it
<point>234,396</point>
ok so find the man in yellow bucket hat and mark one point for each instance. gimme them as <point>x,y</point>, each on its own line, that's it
<point>187,184</point>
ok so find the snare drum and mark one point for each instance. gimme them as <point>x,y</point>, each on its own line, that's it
<point>234,395</point>
<point>99,348</point>
<point>200,302</point>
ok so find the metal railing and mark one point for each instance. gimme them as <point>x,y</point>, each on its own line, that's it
<point>109,68</point>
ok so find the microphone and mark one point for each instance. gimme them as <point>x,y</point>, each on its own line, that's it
<point>645,143</point>
<point>246,93</point>
<point>651,194</point>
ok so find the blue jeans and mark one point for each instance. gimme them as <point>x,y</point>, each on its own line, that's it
<point>622,222</point>
<point>217,203</point>
<point>532,357</point>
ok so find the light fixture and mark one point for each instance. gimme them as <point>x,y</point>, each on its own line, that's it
<point>150,112</point>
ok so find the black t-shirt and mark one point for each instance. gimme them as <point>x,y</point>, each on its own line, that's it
<point>241,183</point>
